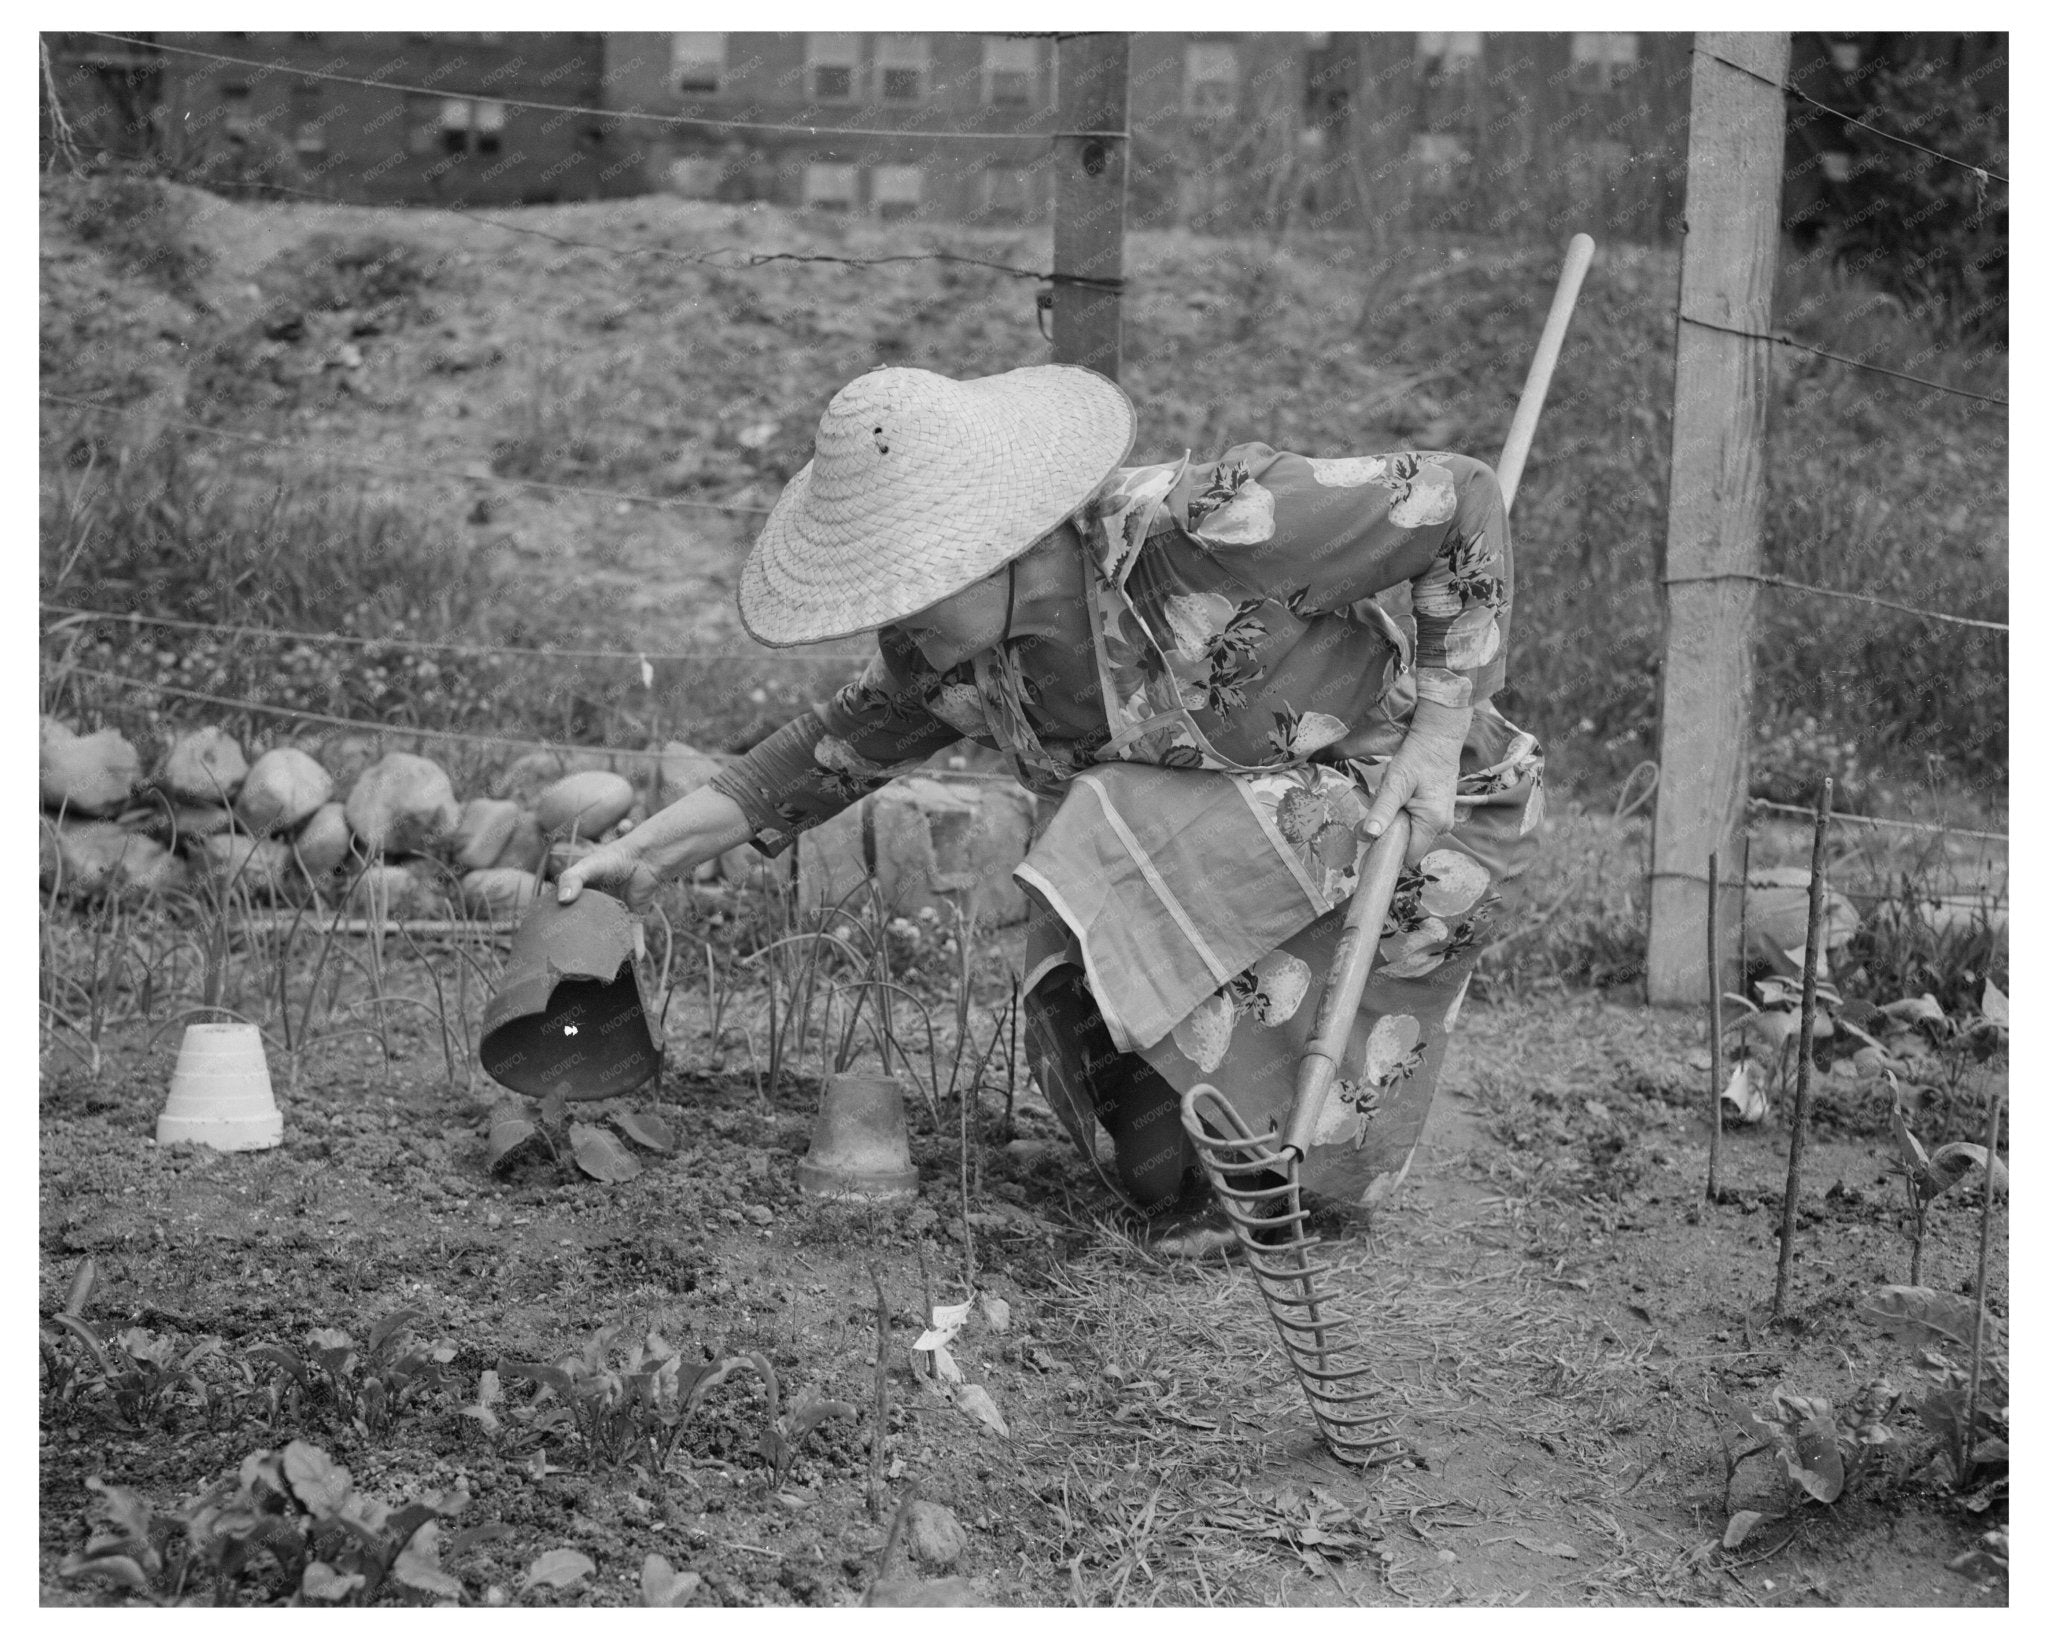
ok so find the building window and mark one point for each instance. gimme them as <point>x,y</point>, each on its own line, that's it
<point>471,126</point>
<point>905,65</point>
<point>1599,61</point>
<point>1005,192</point>
<point>423,123</point>
<point>898,190</point>
<point>1211,79</point>
<point>234,112</point>
<point>695,64</point>
<point>1447,67</point>
<point>1439,159</point>
<point>831,186</point>
<point>309,140</point>
<point>830,62</point>
<point>1009,72</point>
<point>694,176</point>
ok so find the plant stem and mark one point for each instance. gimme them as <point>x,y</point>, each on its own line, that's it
<point>968,1098</point>
<point>881,1423</point>
<point>1714,1024</point>
<point>1816,900</point>
<point>1983,1269</point>
<point>895,1536</point>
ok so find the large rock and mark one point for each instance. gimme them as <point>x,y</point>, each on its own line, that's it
<point>932,839</point>
<point>402,804</point>
<point>281,790</point>
<point>258,866</point>
<point>486,827</point>
<point>1777,910</point>
<point>585,805</point>
<point>347,754</point>
<point>183,824</point>
<point>92,857</point>
<point>524,778</point>
<point>684,769</point>
<point>393,892</point>
<point>498,895</point>
<point>325,840</point>
<point>203,767</point>
<point>88,774</point>
<point>526,847</point>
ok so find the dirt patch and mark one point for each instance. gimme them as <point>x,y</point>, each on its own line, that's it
<point>1549,1303</point>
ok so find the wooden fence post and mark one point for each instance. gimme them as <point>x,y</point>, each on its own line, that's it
<point>1088,200</point>
<point>1734,172</point>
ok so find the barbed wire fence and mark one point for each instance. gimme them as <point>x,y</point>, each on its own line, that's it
<point>70,616</point>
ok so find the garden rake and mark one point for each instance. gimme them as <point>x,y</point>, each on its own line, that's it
<point>1257,1175</point>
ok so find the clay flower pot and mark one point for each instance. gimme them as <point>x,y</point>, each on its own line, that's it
<point>220,1092</point>
<point>567,1017</point>
<point>860,1142</point>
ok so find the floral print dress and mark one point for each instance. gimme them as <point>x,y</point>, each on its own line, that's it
<point>1213,755</point>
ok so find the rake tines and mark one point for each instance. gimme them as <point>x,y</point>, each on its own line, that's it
<point>1259,1184</point>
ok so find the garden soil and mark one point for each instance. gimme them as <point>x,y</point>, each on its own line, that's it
<point>1548,1301</point>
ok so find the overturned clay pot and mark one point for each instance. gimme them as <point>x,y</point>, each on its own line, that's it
<point>568,1016</point>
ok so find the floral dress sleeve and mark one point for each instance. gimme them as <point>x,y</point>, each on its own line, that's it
<point>890,719</point>
<point>1331,533</point>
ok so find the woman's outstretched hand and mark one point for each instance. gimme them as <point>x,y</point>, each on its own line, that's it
<point>1423,777</point>
<point>615,868</point>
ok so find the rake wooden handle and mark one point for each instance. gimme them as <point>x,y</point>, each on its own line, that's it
<point>1345,987</point>
<point>1352,964</point>
<point>1578,256</point>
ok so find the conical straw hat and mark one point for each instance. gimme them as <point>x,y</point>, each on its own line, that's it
<point>921,486</point>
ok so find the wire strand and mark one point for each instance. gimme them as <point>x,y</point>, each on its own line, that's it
<point>959,775</point>
<point>1839,358</point>
<point>178,691</point>
<point>429,646</point>
<point>1872,819</point>
<point>701,258</point>
<point>1831,592</point>
<point>1982,173</point>
<point>446,474</point>
<point>699,121</point>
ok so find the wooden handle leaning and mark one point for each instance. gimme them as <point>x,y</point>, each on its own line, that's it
<point>1345,986</point>
<point>1578,256</point>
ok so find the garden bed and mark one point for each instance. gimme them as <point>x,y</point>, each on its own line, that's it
<point>1550,1299</point>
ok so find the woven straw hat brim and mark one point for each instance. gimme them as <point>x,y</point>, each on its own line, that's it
<point>920,486</point>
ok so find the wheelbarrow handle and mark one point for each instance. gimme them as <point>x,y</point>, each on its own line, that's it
<point>1345,987</point>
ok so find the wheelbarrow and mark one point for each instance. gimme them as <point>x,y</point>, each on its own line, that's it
<point>1256,1158</point>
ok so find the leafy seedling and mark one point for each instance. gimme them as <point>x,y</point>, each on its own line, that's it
<point>295,1508</point>
<point>520,1129</point>
<point>1929,1176</point>
<point>557,1568</point>
<point>364,1385</point>
<point>662,1585</point>
<point>779,1441</point>
<point>1821,1451</point>
<point>1940,1327</point>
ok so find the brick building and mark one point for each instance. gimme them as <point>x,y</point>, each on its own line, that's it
<point>462,136</point>
<point>1520,133</point>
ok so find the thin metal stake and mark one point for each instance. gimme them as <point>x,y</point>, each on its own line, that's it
<point>1714,1023</point>
<point>1983,1269</point>
<point>1816,902</point>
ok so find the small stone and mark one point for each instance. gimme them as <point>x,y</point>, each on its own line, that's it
<point>937,1538</point>
<point>758,1214</point>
